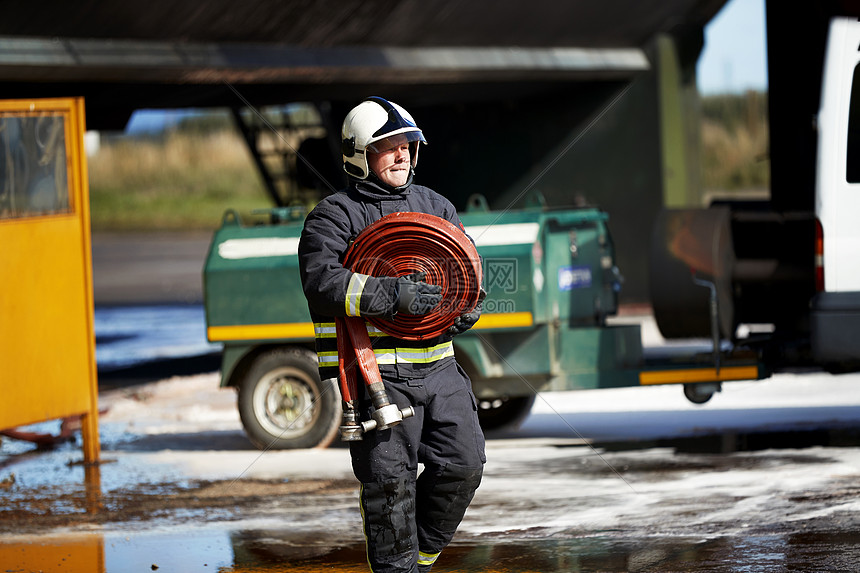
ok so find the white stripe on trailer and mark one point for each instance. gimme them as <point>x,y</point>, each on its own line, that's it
<point>235,249</point>
<point>483,235</point>
<point>507,234</point>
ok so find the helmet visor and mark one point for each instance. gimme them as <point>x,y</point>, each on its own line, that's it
<point>393,141</point>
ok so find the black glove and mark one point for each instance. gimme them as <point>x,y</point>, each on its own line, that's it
<point>466,321</point>
<point>416,296</point>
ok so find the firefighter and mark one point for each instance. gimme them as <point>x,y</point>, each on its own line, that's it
<point>408,518</point>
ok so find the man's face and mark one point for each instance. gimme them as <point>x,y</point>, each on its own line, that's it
<point>391,165</point>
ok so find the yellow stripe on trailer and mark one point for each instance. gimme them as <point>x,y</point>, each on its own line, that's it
<point>260,331</point>
<point>504,320</point>
<point>295,330</point>
<point>693,375</point>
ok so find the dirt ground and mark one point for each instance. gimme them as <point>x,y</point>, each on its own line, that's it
<point>41,511</point>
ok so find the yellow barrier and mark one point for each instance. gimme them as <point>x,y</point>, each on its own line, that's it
<point>47,341</point>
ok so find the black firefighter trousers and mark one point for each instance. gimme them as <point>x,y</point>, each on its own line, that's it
<point>408,521</point>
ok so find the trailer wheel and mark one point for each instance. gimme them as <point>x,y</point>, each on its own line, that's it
<point>496,413</point>
<point>284,405</point>
<point>700,393</point>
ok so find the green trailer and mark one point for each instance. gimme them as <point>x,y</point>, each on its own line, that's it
<point>551,283</point>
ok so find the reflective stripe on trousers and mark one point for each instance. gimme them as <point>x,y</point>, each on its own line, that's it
<point>427,558</point>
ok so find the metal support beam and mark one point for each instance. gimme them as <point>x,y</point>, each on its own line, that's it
<point>251,141</point>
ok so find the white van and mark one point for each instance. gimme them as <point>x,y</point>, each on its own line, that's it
<point>835,312</point>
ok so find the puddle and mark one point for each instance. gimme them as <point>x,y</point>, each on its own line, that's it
<point>129,335</point>
<point>262,551</point>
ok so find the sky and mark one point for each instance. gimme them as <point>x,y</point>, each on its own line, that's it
<point>734,58</point>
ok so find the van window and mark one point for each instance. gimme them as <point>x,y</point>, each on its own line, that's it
<point>852,170</point>
<point>32,166</point>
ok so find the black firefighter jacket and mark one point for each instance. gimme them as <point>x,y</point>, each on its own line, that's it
<point>334,291</point>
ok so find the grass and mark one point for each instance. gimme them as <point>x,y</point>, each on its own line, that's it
<point>179,181</point>
<point>735,143</point>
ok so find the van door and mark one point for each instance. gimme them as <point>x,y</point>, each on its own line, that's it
<point>838,177</point>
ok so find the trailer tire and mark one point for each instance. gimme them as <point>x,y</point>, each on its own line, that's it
<point>284,405</point>
<point>498,413</point>
<point>700,393</point>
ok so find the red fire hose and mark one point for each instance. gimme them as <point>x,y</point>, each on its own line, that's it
<point>404,243</point>
<point>397,245</point>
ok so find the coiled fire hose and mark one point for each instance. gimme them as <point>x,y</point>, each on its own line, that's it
<point>397,245</point>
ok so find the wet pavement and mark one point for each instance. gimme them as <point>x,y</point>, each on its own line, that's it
<point>181,489</point>
<point>764,478</point>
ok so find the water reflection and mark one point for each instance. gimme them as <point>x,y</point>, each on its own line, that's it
<point>756,553</point>
<point>263,551</point>
<point>72,554</point>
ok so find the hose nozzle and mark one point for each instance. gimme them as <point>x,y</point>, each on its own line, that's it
<point>386,417</point>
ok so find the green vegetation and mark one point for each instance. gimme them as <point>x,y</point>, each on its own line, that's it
<point>189,175</point>
<point>184,179</point>
<point>735,143</point>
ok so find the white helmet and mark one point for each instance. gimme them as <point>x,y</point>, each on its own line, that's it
<point>367,128</point>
